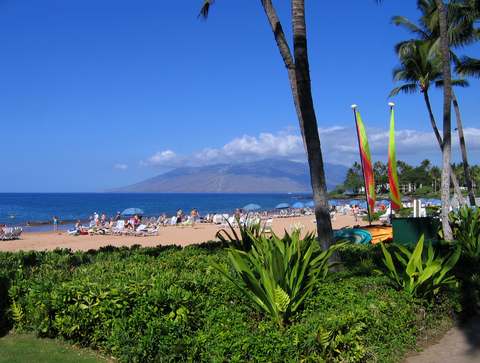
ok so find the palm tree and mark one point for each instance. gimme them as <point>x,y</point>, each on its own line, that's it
<point>299,77</point>
<point>446,25</point>
<point>461,19</point>
<point>419,69</point>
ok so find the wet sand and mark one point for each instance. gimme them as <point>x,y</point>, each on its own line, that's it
<point>177,235</point>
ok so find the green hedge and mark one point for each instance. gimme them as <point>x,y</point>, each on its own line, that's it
<point>168,303</point>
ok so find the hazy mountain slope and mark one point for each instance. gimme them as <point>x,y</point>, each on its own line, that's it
<point>264,176</point>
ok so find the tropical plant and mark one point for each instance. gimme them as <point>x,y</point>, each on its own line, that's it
<point>244,240</point>
<point>465,225</point>
<point>420,275</point>
<point>298,71</point>
<point>277,274</point>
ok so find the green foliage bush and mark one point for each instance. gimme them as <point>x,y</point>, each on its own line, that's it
<point>277,274</point>
<point>170,304</point>
<point>465,225</point>
<point>420,274</point>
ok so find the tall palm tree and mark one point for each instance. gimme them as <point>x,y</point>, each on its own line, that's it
<point>461,30</point>
<point>419,69</point>
<point>444,49</point>
<point>446,25</point>
<point>299,77</point>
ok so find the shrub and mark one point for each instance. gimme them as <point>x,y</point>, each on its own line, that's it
<point>278,274</point>
<point>170,304</point>
<point>420,275</point>
<point>465,225</point>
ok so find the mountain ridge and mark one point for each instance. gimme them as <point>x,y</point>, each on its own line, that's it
<point>265,176</point>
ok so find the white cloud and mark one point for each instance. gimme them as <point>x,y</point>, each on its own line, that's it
<point>163,158</point>
<point>339,146</point>
<point>120,166</point>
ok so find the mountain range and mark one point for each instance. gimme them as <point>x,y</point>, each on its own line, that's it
<point>266,176</point>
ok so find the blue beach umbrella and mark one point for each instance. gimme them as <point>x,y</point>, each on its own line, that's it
<point>132,212</point>
<point>310,204</point>
<point>298,205</point>
<point>251,207</point>
<point>282,206</point>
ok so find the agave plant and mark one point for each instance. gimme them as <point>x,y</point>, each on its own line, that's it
<point>465,224</point>
<point>277,274</point>
<point>420,275</point>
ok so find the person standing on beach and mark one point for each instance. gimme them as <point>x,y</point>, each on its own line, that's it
<point>55,223</point>
<point>355,212</point>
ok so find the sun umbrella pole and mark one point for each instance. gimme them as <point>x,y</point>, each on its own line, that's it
<point>354,108</point>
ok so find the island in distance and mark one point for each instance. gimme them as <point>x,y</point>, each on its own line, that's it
<point>265,176</point>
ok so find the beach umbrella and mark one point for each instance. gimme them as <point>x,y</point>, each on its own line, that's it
<point>298,205</point>
<point>251,207</point>
<point>310,204</point>
<point>132,212</point>
<point>282,206</point>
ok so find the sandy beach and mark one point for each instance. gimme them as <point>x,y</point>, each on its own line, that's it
<point>168,235</point>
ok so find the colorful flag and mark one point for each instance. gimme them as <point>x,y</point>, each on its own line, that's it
<point>395,198</point>
<point>366,163</point>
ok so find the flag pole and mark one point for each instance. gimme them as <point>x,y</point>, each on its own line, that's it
<point>354,108</point>
<point>391,104</point>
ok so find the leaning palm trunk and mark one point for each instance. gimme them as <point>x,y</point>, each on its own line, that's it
<point>453,177</point>
<point>299,78</point>
<point>447,132</point>
<point>463,149</point>
<point>309,120</point>
<point>284,50</point>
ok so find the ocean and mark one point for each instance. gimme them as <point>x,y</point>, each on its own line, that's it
<point>39,208</point>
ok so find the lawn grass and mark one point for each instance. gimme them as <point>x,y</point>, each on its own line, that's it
<point>23,348</point>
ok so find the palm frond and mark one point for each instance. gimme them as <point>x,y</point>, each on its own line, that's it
<point>205,9</point>
<point>469,67</point>
<point>409,25</point>
<point>455,82</point>
<point>406,88</point>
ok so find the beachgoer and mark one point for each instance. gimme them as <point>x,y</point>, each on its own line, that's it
<point>118,216</point>
<point>136,221</point>
<point>179,216</point>
<point>355,212</point>
<point>55,223</point>
<point>103,219</point>
<point>238,214</point>
<point>95,218</point>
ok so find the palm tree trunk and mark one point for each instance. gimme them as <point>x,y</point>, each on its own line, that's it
<point>463,149</point>
<point>309,120</point>
<point>285,53</point>
<point>453,177</point>
<point>447,126</point>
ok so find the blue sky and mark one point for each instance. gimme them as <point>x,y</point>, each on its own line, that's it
<point>96,94</point>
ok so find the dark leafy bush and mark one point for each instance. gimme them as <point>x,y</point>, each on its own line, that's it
<point>465,225</point>
<point>170,304</point>
<point>420,274</point>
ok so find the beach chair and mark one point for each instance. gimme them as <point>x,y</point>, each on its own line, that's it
<point>173,221</point>
<point>119,228</point>
<point>17,231</point>
<point>217,219</point>
<point>7,234</point>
